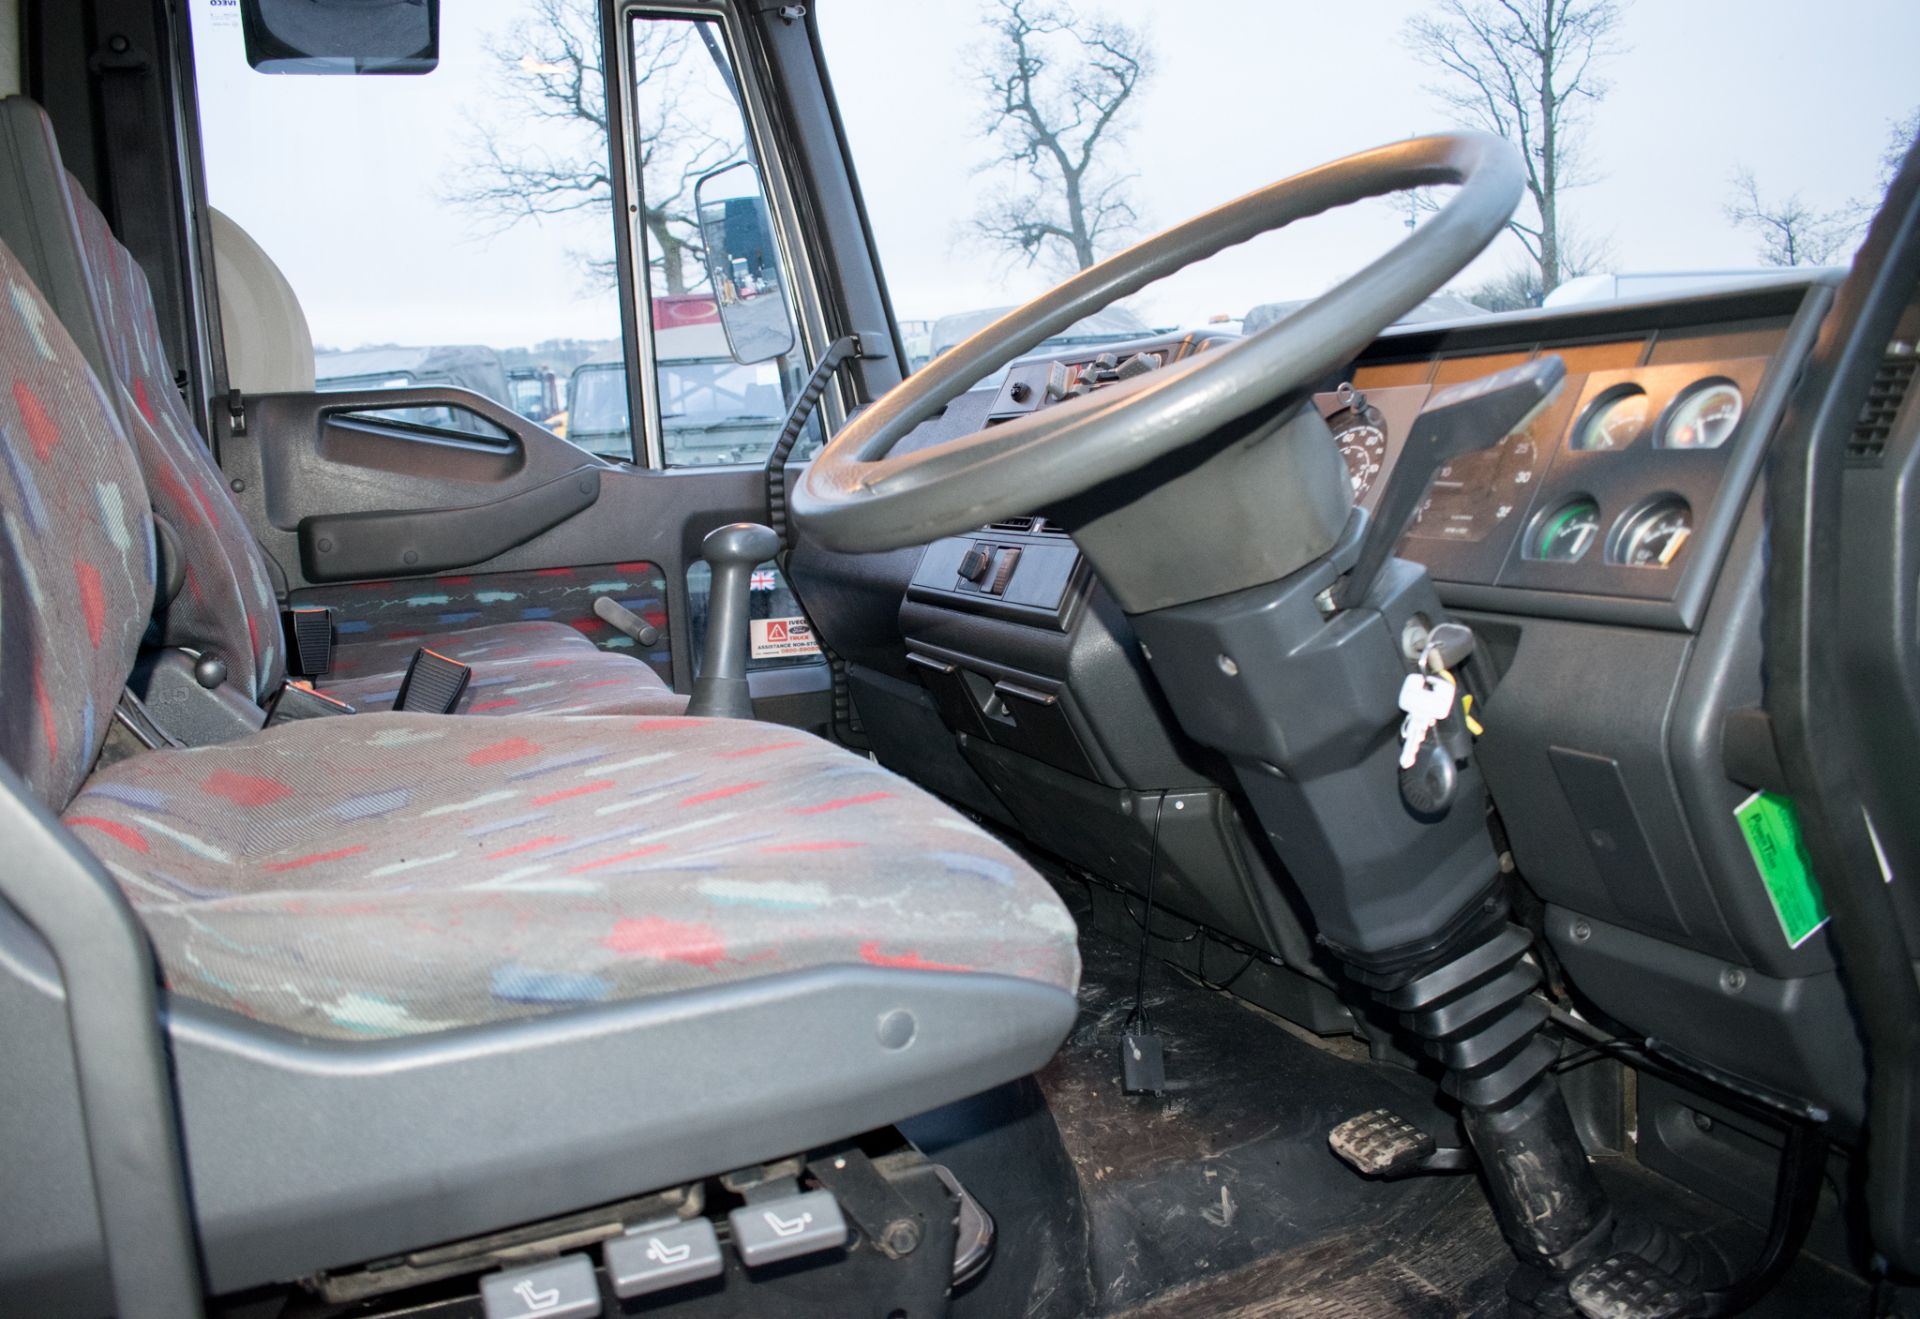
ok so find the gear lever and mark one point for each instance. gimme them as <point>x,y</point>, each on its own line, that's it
<point>733,551</point>
<point>1456,421</point>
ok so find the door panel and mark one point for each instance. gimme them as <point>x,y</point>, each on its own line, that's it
<point>298,461</point>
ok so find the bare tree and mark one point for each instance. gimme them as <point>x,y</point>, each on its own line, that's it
<point>543,151</point>
<point>1527,70</point>
<point>1791,232</point>
<point>1519,285</point>
<point>1058,87</point>
<point>1900,136</point>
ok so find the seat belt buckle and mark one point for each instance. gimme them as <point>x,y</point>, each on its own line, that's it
<point>433,685</point>
<point>309,630</point>
<point>298,701</point>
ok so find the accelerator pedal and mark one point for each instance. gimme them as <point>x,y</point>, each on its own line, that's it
<point>1379,1143</point>
<point>1625,1286</point>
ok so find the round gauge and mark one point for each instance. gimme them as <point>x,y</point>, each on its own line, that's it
<point>1565,535</point>
<point>1703,417</point>
<point>1652,535</point>
<point>1613,420</point>
<point>1362,437</point>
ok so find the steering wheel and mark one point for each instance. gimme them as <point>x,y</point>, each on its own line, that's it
<point>856,497</point>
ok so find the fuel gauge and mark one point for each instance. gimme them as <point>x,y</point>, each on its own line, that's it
<point>1653,535</point>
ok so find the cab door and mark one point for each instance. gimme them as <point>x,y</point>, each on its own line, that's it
<point>529,208</point>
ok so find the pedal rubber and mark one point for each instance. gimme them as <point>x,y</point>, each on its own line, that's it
<point>1381,1144</point>
<point>1143,1066</point>
<point>1624,1286</point>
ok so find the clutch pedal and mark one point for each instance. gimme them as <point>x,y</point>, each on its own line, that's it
<point>1379,1143</point>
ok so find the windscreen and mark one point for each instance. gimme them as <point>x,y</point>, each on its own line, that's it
<point>1670,147</point>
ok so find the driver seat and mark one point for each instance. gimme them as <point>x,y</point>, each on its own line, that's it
<point>429,978</point>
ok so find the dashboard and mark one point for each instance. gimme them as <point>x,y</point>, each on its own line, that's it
<point>1610,559</point>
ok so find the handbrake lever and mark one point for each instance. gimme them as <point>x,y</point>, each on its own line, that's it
<point>1475,414</point>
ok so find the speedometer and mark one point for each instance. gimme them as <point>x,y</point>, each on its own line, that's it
<point>1361,433</point>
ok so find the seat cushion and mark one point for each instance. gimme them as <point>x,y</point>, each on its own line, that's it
<point>518,668</point>
<point>495,642</point>
<point>593,682</point>
<point>399,874</point>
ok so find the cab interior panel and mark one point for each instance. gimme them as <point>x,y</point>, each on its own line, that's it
<point>695,659</point>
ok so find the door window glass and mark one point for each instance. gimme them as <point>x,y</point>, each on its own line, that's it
<point>455,227</point>
<point>726,363</point>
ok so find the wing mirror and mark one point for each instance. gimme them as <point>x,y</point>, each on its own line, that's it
<point>743,263</point>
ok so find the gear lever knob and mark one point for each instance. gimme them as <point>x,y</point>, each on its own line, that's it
<point>733,551</point>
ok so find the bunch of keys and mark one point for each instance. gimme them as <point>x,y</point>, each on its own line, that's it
<point>1427,698</point>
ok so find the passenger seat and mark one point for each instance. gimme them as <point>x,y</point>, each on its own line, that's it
<point>226,604</point>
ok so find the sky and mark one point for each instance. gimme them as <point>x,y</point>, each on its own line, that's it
<point>342,180</point>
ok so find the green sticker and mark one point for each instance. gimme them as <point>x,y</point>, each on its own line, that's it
<point>1773,836</point>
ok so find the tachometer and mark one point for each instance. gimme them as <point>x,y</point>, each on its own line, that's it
<point>1614,420</point>
<point>1652,535</point>
<point>1703,416</point>
<point>1567,533</point>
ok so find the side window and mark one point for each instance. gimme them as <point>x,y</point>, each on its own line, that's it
<point>451,228</point>
<point>726,361</point>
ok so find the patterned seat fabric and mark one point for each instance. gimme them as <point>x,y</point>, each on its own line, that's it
<point>77,558</point>
<point>514,678</point>
<point>227,603</point>
<point>400,874</point>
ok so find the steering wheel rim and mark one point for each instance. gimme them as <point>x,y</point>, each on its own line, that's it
<point>857,497</point>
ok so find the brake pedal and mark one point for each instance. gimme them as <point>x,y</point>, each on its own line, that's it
<point>1625,1286</point>
<point>1379,1143</point>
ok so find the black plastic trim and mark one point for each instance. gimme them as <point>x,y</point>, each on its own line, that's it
<point>1807,689</point>
<point>342,547</point>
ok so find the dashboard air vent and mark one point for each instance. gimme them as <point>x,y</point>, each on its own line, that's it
<point>1031,525</point>
<point>1868,442</point>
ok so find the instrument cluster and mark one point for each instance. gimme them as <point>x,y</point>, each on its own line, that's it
<point>1597,495</point>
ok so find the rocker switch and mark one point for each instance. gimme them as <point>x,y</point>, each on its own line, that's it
<point>662,1255</point>
<point>772,1230</point>
<point>1004,562</point>
<point>975,562</point>
<point>564,1288</point>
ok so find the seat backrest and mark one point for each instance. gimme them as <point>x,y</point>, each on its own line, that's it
<point>269,347</point>
<point>76,549</point>
<point>226,604</point>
